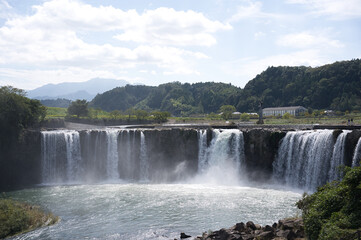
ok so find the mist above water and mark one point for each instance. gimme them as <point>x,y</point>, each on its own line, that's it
<point>223,160</point>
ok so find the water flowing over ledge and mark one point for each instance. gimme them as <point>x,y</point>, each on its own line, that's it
<point>304,159</point>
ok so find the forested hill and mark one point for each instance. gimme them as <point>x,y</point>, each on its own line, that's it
<point>176,98</point>
<point>335,86</point>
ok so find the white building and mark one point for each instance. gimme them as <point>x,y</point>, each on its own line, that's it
<point>279,111</point>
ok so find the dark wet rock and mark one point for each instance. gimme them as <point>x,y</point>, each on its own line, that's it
<point>286,229</point>
<point>183,235</point>
<point>268,228</point>
<point>251,225</point>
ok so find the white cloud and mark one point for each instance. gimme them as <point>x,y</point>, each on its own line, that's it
<point>259,35</point>
<point>170,27</point>
<point>308,40</point>
<point>335,9</point>
<point>49,39</point>
<point>5,9</point>
<point>159,26</point>
<point>251,9</point>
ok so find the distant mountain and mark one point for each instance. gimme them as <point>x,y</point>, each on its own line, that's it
<point>76,90</point>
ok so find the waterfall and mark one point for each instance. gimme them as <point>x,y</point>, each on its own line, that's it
<point>144,165</point>
<point>338,156</point>
<point>112,154</point>
<point>202,150</point>
<point>61,159</point>
<point>356,159</point>
<point>308,159</point>
<point>72,140</point>
<point>222,161</point>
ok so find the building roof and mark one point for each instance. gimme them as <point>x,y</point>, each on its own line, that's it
<point>283,108</point>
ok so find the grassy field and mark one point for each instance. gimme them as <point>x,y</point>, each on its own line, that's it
<point>54,112</point>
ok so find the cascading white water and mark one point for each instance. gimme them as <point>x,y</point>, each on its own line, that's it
<point>49,153</point>
<point>105,154</point>
<point>56,167</point>
<point>308,159</point>
<point>221,162</point>
<point>338,157</point>
<point>73,153</point>
<point>202,150</point>
<point>356,159</point>
<point>144,165</point>
<point>112,154</point>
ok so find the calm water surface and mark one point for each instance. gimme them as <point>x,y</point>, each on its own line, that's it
<point>153,211</point>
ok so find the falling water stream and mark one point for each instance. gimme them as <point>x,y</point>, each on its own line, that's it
<point>101,183</point>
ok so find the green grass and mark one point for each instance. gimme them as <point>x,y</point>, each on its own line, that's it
<point>55,112</point>
<point>17,217</point>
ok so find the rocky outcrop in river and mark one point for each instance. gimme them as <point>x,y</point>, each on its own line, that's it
<point>286,229</point>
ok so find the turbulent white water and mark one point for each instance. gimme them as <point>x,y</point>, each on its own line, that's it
<point>144,165</point>
<point>308,159</point>
<point>112,154</point>
<point>220,162</point>
<point>153,211</point>
<point>356,159</point>
<point>338,157</point>
<point>61,156</point>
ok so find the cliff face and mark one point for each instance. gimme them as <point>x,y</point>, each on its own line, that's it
<point>260,150</point>
<point>172,154</point>
<point>20,161</point>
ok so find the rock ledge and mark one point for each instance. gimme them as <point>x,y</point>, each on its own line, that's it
<point>286,229</point>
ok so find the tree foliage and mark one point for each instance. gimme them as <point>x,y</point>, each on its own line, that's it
<point>334,211</point>
<point>227,111</point>
<point>335,86</point>
<point>245,117</point>
<point>17,111</point>
<point>160,116</point>
<point>176,98</point>
<point>79,108</point>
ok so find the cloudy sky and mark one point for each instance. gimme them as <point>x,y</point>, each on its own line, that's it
<point>159,41</point>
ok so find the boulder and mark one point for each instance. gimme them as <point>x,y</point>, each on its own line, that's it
<point>183,235</point>
<point>265,235</point>
<point>251,225</point>
<point>239,227</point>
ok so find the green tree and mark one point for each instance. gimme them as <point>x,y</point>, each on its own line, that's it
<point>287,116</point>
<point>115,114</point>
<point>334,211</point>
<point>160,116</point>
<point>79,108</point>
<point>227,111</point>
<point>141,114</point>
<point>17,111</point>
<point>130,112</point>
<point>245,117</point>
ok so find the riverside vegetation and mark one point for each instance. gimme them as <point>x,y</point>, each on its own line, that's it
<point>17,217</point>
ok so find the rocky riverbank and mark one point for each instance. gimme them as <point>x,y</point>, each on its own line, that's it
<point>286,229</point>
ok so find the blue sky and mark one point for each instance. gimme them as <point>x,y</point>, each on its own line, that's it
<point>154,42</point>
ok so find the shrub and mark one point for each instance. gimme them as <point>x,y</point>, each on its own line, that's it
<point>334,211</point>
<point>17,217</point>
